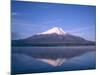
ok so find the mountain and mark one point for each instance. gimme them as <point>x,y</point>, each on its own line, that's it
<point>53,37</point>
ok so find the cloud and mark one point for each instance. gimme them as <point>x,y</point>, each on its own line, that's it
<point>14,13</point>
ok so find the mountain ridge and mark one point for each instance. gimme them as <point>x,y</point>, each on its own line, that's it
<point>53,37</point>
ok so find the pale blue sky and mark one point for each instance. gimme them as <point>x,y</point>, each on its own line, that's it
<point>29,18</point>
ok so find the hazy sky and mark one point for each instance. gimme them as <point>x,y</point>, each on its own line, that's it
<point>29,18</point>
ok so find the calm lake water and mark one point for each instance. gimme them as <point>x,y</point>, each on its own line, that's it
<point>50,59</point>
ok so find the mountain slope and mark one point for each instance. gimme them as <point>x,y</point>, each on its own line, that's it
<point>53,37</point>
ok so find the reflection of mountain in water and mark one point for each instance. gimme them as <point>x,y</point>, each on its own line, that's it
<point>47,59</point>
<point>54,62</point>
<point>25,64</point>
<point>78,60</point>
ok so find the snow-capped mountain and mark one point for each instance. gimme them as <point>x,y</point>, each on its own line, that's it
<point>55,30</point>
<point>53,37</point>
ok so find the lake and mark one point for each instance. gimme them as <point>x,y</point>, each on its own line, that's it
<point>50,59</point>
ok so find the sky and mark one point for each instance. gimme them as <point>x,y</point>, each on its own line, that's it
<point>30,18</point>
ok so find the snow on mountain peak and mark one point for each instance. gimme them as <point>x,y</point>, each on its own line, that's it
<point>56,30</point>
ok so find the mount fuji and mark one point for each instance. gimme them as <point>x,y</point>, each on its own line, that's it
<point>53,37</point>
